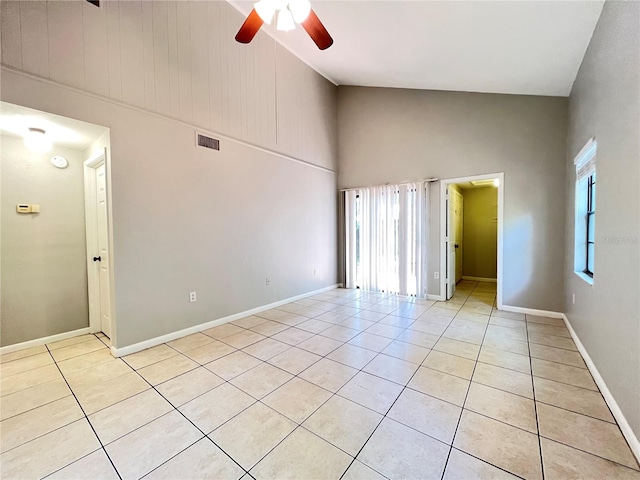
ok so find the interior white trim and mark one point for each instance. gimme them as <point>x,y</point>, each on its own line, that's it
<point>531,311</point>
<point>480,279</point>
<point>91,239</point>
<point>585,277</point>
<point>586,153</point>
<point>202,129</point>
<point>41,341</point>
<point>152,342</point>
<point>628,433</point>
<point>437,298</point>
<point>443,230</point>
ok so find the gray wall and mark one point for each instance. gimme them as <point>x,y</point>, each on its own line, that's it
<point>605,103</point>
<point>44,269</point>
<point>395,135</point>
<point>480,234</point>
<point>186,219</point>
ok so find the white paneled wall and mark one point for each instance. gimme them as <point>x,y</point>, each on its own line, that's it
<point>179,59</point>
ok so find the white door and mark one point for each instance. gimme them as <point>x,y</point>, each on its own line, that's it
<point>103,249</point>
<point>451,249</point>
<point>454,240</point>
<point>97,223</point>
<point>458,239</point>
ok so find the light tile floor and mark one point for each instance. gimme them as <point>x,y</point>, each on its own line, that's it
<point>346,384</point>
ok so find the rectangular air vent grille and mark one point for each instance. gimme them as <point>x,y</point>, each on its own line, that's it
<point>207,142</point>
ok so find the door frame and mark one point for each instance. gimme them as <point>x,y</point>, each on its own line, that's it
<point>443,229</point>
<point>91,224</point>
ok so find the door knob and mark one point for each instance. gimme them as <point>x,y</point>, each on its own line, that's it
<point>97,259</point>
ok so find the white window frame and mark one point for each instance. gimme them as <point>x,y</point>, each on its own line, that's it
<point>585,163</point>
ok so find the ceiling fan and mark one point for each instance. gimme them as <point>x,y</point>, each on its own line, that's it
<point>289,12</point>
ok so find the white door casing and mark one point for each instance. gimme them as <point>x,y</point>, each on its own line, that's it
<point>98,251</point>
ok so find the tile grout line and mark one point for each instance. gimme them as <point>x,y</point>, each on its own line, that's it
<point>535,403</point>
<point>296,376</point>
<point>185,417</point>
<point>396,399</point>
<point>86,418</point>
<point>470,381</point>
<point>252,404</point>
<point>354,458</point>
<point>455,433</point>
<point>345,343</point>
<point>326,355</point>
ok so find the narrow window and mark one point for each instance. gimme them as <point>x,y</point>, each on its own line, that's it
<point>591,223</point>
<point>585,220</point>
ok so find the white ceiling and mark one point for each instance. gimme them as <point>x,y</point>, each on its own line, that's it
<point>16,120</point>
<point>516,47</point>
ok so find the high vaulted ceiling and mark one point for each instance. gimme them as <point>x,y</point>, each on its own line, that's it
<point>515,47</point>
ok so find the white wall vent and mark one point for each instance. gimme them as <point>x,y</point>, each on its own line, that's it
<point>207,142</point>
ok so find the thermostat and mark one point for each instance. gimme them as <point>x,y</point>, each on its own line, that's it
<point>27,208</point>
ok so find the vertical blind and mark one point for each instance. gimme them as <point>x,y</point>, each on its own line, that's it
<point>386,238</point>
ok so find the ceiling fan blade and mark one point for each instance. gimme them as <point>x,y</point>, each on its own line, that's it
<point>317,32</point>
<point>249,28</point>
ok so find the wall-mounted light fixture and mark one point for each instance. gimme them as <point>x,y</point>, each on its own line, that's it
<point>36,140</point>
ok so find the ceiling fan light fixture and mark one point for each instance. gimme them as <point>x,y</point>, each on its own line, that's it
<point>285,21</point>
<point>37,141</point>
<point>300,10</point>
<point>280,4</point>
<point>266,9</point>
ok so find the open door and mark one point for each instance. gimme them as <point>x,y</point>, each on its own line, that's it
<point>451,243</point>
<point>454,239</point>
<point>96,212</point>
<point>458,240</point>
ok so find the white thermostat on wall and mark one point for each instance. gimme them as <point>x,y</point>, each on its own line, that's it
<point>26,208</point>
<point>59,162</point>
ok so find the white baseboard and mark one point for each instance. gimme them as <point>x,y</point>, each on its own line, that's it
<point>480,279</point>
<point>438,298</point>
<point>152,342</point>
<point>41,341</point>
<point>628,433</point>
<point>532,311</point>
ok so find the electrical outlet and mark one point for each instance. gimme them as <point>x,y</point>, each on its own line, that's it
<point>192,297</point>
<point>268,281</point>
<point>436,275</point>
<point>574,299</point>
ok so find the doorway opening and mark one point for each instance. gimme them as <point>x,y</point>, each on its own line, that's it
<point>52,165</point>
<point>471,229</point>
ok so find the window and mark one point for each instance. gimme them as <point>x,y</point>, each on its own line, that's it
<point>591,223</point>
<point>585,222</point>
